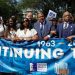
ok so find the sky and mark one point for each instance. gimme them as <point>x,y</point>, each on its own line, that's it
<point>17,0</point>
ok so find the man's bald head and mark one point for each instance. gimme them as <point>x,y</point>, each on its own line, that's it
<point>66,16</point>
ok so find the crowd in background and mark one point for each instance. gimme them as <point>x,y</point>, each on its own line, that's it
<point>37,29</point>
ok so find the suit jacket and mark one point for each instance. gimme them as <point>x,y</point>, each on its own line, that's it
<point>46,30</point>
<point>70,30</point>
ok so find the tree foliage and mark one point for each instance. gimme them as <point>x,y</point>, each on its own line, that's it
<point>29,3</point>
<point>6,8</point>
<point>58,6</point>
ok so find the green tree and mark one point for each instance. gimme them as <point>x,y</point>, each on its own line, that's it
<point>58,6</point>
<point>29,3</point>
<point>7,8</point>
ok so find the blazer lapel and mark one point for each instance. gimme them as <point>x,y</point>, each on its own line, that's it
<point>61,30</point>
<point>38,28</point>
<point>45,28</point>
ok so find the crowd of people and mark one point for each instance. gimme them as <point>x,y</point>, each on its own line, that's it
<point>38,29</point>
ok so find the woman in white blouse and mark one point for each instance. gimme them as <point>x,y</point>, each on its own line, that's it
<point>25,33</point>
<point>11,30</point>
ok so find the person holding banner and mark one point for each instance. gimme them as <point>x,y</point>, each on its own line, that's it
<point>66,29</point>
<point>11,29</point>
<point>25,32</point>
<point>42,27</point>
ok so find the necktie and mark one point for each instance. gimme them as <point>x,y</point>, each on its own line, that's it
<point>41,30</point>
<point>65,25</point>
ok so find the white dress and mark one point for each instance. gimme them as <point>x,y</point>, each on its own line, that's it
<point>29,33</point>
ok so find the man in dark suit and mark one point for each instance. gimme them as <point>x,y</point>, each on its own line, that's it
<point>42,27</point>
<point>66,29</point>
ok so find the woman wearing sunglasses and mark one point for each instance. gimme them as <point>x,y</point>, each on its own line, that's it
<point>26,32</point>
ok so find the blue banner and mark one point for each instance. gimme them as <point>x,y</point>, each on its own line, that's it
<point>52,57</point>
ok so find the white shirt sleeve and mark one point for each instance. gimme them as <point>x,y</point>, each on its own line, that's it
<point>18,33</point>
<point>33,32</point>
